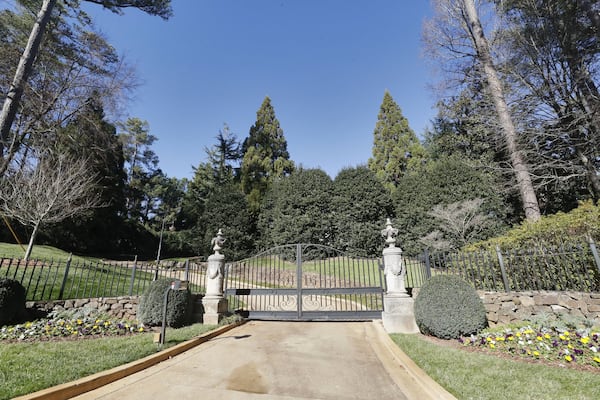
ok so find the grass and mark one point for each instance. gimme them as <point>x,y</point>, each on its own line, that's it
<point>9,250</point>
<point>470,375</point>
<point>29,367</point>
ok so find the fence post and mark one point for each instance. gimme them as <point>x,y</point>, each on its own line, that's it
<point>427,264</point>
<point>133,276</point>
<point>186,276</point>
<point>502,270</point>
<point>64,281</point>
<point>594,252</point>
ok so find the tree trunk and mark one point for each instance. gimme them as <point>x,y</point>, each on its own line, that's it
<point>524,183</point>
<point>36,228</point>
<point>11,102</point>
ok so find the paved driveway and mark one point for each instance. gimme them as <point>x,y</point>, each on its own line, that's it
<point>277,360</point>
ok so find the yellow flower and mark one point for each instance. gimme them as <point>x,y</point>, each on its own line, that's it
<point>500,338</point>
<point>562,337</point>
<point>79,322</point>
<point>141,329</point>
<point>539,338</point>
<point>518,334</point>
<point>566,333</point>
<point>597,359</point>
<point>568,358</point>
<point>570,346</point>
<point>585,340</point>
<point>536,353</point>
<point>492,346</point>
<point>547,336</point>
<point>489,339</point>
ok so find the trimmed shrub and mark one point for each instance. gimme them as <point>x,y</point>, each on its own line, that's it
<point>179,307</point>
<point>12,301</point>
<point>448,307</point>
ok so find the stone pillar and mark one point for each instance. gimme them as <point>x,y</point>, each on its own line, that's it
<point>398,307</point>
<point>214,303</point>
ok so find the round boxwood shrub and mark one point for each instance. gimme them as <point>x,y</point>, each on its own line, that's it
<point>12,301</point>
<point>179,307</point>
<point>448,307</point>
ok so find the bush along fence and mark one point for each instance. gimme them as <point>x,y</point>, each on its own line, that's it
<point>572,267</point>
<point>69,279</point>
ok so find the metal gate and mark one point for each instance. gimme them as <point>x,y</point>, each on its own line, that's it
<point>305,282</point>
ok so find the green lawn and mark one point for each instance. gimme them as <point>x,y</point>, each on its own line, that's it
<point>29,367</point>
<point>469,375</point>
<point>9,250</point>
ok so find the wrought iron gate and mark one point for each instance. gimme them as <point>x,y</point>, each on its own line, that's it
<point>305,282</point>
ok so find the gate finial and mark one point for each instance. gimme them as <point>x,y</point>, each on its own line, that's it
<point>389,233</point>
<point>218,242</point>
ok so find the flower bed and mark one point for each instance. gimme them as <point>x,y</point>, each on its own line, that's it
<point>571,346</point>
<point>56,327</point>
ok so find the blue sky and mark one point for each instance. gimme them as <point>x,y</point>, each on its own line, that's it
<point>325,64</point>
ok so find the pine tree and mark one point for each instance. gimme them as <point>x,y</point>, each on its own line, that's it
<point>395,146</point>
<point>265,155</point>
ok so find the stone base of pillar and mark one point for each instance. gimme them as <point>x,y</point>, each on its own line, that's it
<point>215,308</point>
<point>398,314</point>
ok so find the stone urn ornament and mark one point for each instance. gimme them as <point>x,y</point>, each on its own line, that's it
<point>215,269</point>
<point>394,270</point>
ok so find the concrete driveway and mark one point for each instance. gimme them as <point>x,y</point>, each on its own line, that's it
<point>283,360</point>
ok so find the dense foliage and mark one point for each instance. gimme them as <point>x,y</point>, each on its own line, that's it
<point>297,209</point>
<point>448,307</point>
<point>361,204</point>
<point>179,306</point>
<point>462,170</point>
<point>445,181</point>
<point>12,301</point>
<point>576,226</point>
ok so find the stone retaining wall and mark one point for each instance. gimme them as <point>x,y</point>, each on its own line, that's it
<point>504,308</point>
<point>124,307</point>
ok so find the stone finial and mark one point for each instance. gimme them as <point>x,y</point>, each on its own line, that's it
<point>217,242</point>
<point>389,233</point>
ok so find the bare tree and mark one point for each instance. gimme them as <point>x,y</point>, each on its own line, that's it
<point>553,50</point>
<point>56,187</point>
<point>456,31</point>
<point>459,224</point>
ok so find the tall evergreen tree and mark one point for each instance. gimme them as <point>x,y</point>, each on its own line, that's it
<point>224,156</point>
<point>141,164</point>
<point>90,137</point>
<point>395,146</point>
<point>265,155</point>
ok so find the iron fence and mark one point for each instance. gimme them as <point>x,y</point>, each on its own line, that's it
<point>573,267</point>
<point>69,279</point>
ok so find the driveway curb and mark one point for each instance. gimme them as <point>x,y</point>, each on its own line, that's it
<point>91,382</point>
<point>420,384</point>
